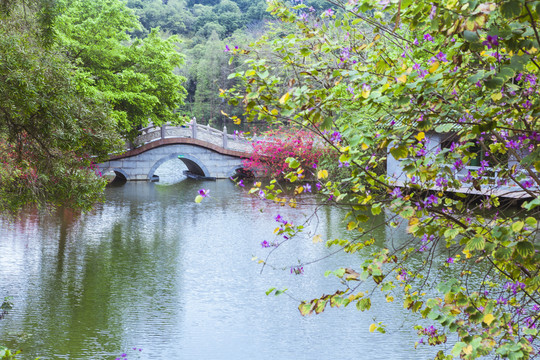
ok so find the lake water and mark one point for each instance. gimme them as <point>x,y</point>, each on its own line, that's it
<point>150,269</point>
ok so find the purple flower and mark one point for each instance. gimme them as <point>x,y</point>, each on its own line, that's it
<point>241,183</point>
<point>344,164</point>
<point>319,186</point>
<point>458,164</point>
<point>336,137</point>
<point>307,188</point>
<point>350,89</point>
<point>441,57</point>
<point>329,12</point>
<point>432,12</point>
<point>227,48</point>
<point>428,37</point>
<point>415,42</point>
<point>512,144</point>
<point>491,41</point>
<point>450,260</point>
<point>527,184</point>
<point>397,193</point>
<point>527,104</point>
<point>345,54</point>
<point>204,193</point>
<point>298,270</point>
<point>265,244</point>
<point>422,73</point>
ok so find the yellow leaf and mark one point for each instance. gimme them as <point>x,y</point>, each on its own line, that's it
<point>322,174</point>
<point>389,298</point>
<point>298,189</point>
<point>224,113</point>
<point>351,225</point>
<point>198,199</point>
<point>467,253</point>
<point>365,146</point>
<point>292,203</point>
<point>420,136</point>
<point>434,67</point>
<point>284,98</point>
<point>488,318</point>
<point>377,37</point>
<point>274,112</point>
<point>496,96</point>
<point>402,79</point>
<point>365,93</point>
<point>372,327</point>
<point>467,350</point>
<point>385,86</point>
<point>317,239</point>
<point>413,221</point>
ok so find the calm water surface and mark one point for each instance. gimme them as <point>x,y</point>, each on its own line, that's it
<point>150,269</point>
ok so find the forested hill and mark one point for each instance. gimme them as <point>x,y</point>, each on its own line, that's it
<point>198,18</point>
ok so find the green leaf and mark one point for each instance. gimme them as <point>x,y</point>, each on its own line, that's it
<point>531,222</point>
<point>471,36</point>
<point>517,226</point>
<point>305,308</point>
<point>531,204</point>
<point>511,9</point>
<point>503,254</point>
<point>363,304</point>
<point>451,233</point>
<point>293,163</point>
<point>269,291</point>
<point>400,152</point>
<point>476,243</point>
<point>525,248</point>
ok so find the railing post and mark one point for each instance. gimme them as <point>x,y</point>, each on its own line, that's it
<point>194,128</point>
<point>225,139</point>
<point>163,131</point>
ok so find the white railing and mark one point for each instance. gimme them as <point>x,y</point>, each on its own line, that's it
<point>194,131</point>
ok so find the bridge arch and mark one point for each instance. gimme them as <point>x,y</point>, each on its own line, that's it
<point>119,173</point>
<point>194,165</point>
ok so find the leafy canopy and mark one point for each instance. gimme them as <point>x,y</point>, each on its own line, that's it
<point>450,94</point>
<point>136,77</point>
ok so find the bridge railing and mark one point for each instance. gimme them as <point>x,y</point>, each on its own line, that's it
<point>195,131</point>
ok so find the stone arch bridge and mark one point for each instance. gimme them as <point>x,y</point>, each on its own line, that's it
<point>206,152</point>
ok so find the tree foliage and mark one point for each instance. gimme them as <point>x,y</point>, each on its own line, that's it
<point>136,77</point>
<point>450,90</point>
<point>51,133</point>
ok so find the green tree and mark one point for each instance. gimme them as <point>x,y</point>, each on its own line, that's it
<point>51,132</point>
<point>212,71</point>
<point>136,77</point>
<point>461,74</point>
